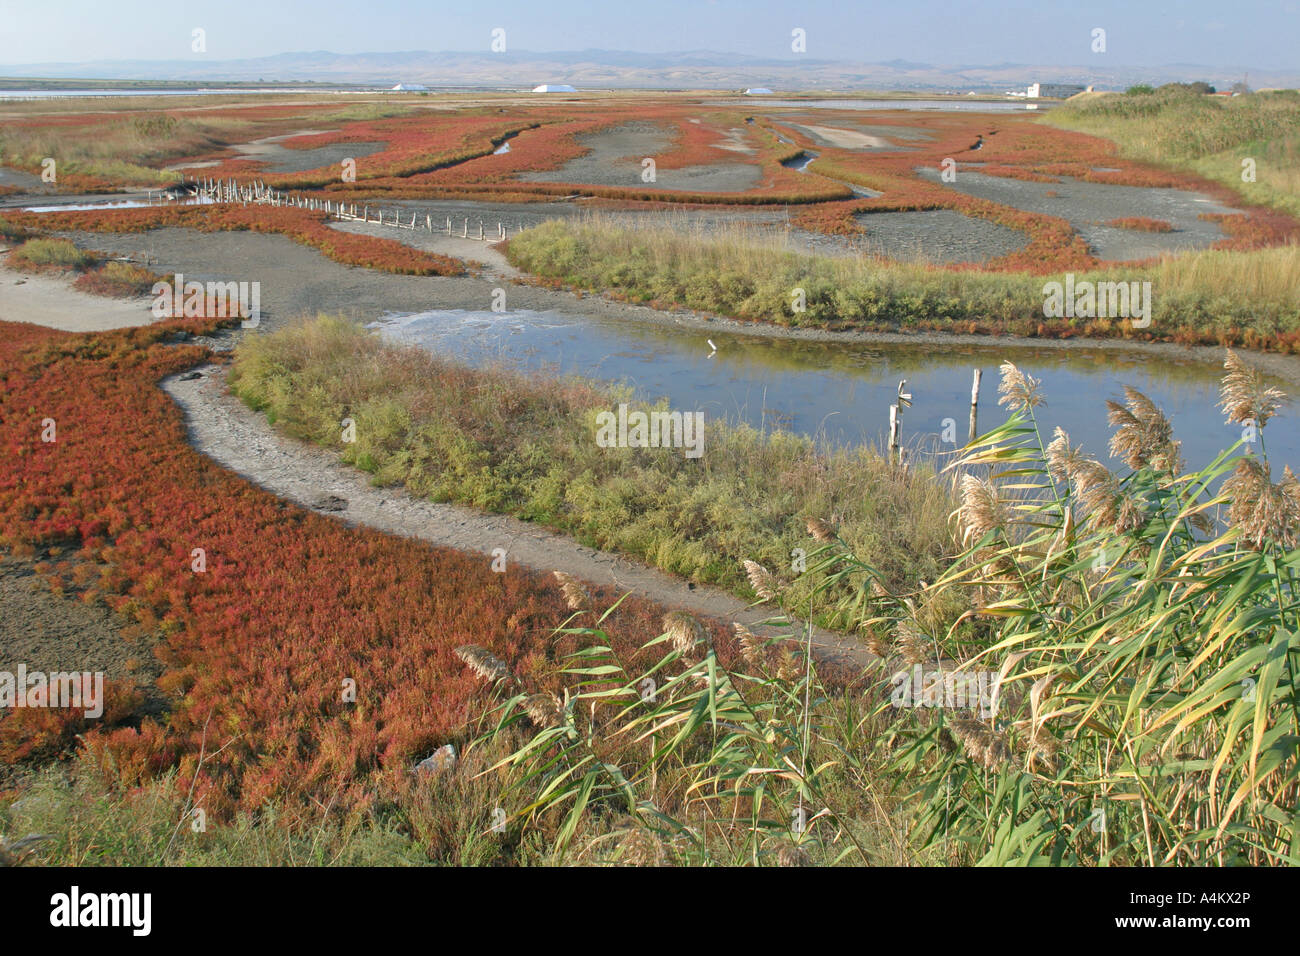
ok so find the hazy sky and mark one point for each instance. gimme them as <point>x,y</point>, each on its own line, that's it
<point>1264,34</point>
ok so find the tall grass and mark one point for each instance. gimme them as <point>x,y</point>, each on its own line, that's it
<point>120,149</point>
<point>1143,627</point>
<point>677,759</point>
<point>1212,296</point>
<point>1206,134</point>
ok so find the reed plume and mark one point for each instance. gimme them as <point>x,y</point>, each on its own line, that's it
<point>543,709</point>
<point>1243,395</point>
<point>685,632</point>
<point>981,743</point>
<point>1262,510</point>
<point>752,647</point>
<point>981,510</point>
<point>764,582</point>
<point>1143,438</point>
<point>1043,748</point>
<point>641,848</point>
<point>1062,459</point>
<point>577,597</point>
<point>1017,390</point>
<point>793,855</point>
<point>914,646</point>
<point>820,530</point>
<point>483,662</point>
<point>1098,491</point>
<point>877,644</point>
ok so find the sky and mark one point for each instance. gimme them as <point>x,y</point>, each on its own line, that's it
<point>1263,34</point>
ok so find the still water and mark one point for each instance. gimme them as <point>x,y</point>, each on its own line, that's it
<point>838,392</point>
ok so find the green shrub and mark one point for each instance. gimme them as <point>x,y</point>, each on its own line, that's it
<point>55,254</point>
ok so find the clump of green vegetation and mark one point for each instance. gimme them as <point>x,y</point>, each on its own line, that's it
<point>51,254</point>
<point>11,233</point>
<point>526,447</point>
<point>1208,135</point>
<point>123,280</point>
<point>738,274</point>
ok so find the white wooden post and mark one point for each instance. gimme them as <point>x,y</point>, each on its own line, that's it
<point>893,433</point>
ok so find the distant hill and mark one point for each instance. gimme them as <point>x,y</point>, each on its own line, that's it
<point>586,69</point>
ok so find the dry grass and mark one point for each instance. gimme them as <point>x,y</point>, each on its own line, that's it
<point>1216,296</point>
<point>1205,135</point>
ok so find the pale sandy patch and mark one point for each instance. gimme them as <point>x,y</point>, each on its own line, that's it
<point>848,139</point>
<point>51,300</point>
<point>737,141</point>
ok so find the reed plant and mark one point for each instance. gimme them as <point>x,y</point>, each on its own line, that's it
<point>1143,629</point>
<point>671,757</point>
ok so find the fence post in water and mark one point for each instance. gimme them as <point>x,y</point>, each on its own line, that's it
<point>449,225</point>
<point>464,232</point>
<point>480,230</point>
<point>893,434</point>
<point>974,402</point>
<point>428,223</point>
<point>896,421</point>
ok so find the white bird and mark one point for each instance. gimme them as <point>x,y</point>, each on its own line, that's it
<point>712,346</point>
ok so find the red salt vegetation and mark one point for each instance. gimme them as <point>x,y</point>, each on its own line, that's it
<point>256,648</point>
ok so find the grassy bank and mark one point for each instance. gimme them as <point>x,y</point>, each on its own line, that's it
<point>527,447</point>
<point>1216,297</point>
<point>1207,135</point>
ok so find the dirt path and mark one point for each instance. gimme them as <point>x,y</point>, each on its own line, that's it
<point>239,439</point>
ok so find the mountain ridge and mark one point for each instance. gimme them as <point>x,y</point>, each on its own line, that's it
<point>691,69</point>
